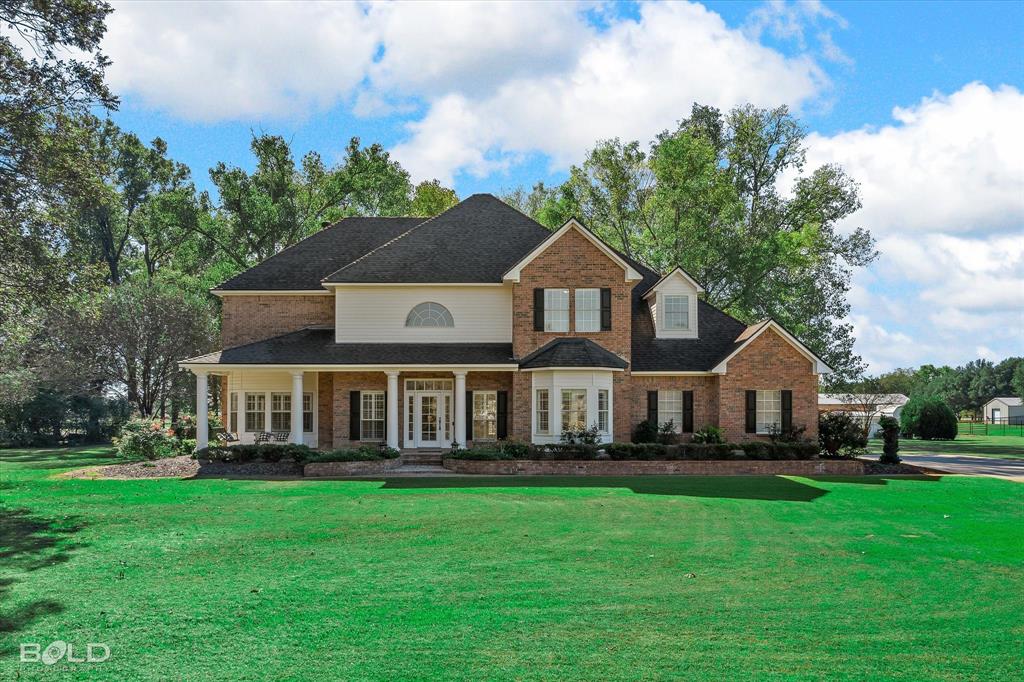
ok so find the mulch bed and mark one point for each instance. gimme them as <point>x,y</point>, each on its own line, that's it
<point>187,467</point>
<point>876,468</point>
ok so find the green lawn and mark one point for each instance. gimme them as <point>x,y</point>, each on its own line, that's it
<point>466,578</point>
<point>1004,447</point>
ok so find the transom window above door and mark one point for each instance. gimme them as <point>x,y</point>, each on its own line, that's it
<point>429,314</point>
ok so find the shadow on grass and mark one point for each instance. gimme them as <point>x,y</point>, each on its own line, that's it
<point>875,480</point>
<point>30,543</point>
<point>738,487</point>
<point>58,458</point>
<point>967,445</point>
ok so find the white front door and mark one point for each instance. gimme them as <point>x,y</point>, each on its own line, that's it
<point>431,427</point>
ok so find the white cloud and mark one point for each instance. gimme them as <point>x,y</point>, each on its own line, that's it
<point>235,60</point>
<point>950,164</point>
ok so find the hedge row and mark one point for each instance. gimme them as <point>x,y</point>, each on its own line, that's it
<point>275,452</point>
<point>644,451</point>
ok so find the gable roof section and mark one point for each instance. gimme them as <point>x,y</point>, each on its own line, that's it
<point>676,272</point>
<point>572,352</point>
<point>475,241</point>
<point>748,336</point>
<point>301,266</point>
<point>631,273</point>
<point>1009,401</point>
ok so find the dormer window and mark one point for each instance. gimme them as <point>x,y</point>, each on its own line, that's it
<point>429,315</point>
<point>677,312</point>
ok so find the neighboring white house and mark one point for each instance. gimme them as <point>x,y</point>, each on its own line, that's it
<point>886,405</point>
<point>1008,410</point>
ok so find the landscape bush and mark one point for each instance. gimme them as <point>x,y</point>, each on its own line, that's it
<point>646,432</point>
<point>890,430</point>
<point>709,434</point>
<point>763,450</point>
<point>928,419</point>
<point>267,452</point>
<point>146,439</point>
<point>839,435</point>
<point>365,453</point>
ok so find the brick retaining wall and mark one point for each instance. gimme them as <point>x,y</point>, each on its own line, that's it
<point>532,467</point>
<point>314,469</point>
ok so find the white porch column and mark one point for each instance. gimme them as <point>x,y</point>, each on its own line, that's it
<point>296,434</point>
<point>460,408</point>
<point>240,419</point>
<point>202,410</point>
<point>392,414</point>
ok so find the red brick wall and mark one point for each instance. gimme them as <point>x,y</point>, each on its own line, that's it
<point>343,383</point>
<point>770,363</point>
<point>571,263</point>
<point>705,398</point>
<point>245,319</point>
<point>325,410</point>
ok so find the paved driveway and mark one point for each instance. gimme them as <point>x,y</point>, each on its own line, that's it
<point>964,464</point>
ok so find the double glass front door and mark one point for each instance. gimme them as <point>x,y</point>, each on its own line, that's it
<point>429,419</point>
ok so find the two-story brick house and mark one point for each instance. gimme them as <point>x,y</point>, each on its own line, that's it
<point>480,324</point>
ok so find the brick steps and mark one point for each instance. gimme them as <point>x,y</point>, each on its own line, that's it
<point>423,456</point>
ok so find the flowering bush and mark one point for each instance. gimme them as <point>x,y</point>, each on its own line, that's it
<point>146,439</point>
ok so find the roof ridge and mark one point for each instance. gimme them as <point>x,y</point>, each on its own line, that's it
<point>390,241</point>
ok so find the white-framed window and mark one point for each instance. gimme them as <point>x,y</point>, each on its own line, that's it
<point>255,412</point>
<point>280,411</point>
<point>371,415</point>
<point>588,310</point>
<point>670,407</point>
<point>307,412</point>
<point>556,310</point>
<point>574,408</point>
<point>677,311</point>
<point>429,314</point>
<point>769,410</point>
<point>485,415</point>
<point>543,407</point>
<point>233,412</point>
<point>602,410</point>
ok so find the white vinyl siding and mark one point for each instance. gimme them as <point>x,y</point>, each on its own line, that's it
<point>588,310</point>
<point>668,309</point>
<point>571,399</point>
<point>769,410</point>
<point>377,314</point>
<point>556,310</point>
<point>485,415</point>
<point>670,407</point>
<point>371,415</point>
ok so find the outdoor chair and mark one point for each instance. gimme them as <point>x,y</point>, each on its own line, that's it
<point>263,437</point>
<point>280,436</point>
<point>227,438</point>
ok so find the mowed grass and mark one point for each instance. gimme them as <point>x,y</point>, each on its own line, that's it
<point>550,578</point>
<point>1002,447</point>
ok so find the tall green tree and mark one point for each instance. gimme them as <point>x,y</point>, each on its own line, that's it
<point>431,198</point>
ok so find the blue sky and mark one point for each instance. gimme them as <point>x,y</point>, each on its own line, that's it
<point>917,100</point>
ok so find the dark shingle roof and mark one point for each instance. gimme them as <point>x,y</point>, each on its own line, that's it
<point>572,352</point>
<point>717,338</point>
<point>302,265</point>
<point>477,240</point>
<point>317,347</point>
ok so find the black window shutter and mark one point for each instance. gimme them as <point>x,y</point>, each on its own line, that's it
<point>606,310</point>
<point>502,415</point>
<point>751,411</point>
<point>354,405</point>
<point>538,310</point>
<point>787,410</point>
<point>687,411</point>
<point>469,417</point>
<point>652,407</point>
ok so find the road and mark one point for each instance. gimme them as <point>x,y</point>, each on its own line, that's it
<point>964,464</point>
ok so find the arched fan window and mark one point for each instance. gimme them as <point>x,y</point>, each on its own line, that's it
<point>429,315</point>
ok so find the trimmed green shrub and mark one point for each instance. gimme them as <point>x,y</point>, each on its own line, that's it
<point>483,454</point>
<point>365,453</point>
<point>839,435</point>
<point>638,451</point>
<point>267,452</point>
<point>890,430</point>
<point>701,451</point>
<point>709,434</point>
<point>146,439</point>
<point>936,421</point>
<point>646,432</point>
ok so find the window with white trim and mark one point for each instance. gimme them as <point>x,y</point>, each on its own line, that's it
<point>280,411</point>
<point>602,410</point>
<point>588,310</point>
<point>255,412</point>
<point>485,415</point>
<point>677,312</point>
<point>556,310</point>
<point>574,409</point>
<point>670,408</point>
<point>429,314</point>
<point>233,412</point>
<point>371,415</point>
<point>543,408</point>
<point>769,410</point>
<point>307,412</point>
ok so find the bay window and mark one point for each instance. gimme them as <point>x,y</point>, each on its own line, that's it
<point>574,409</point>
